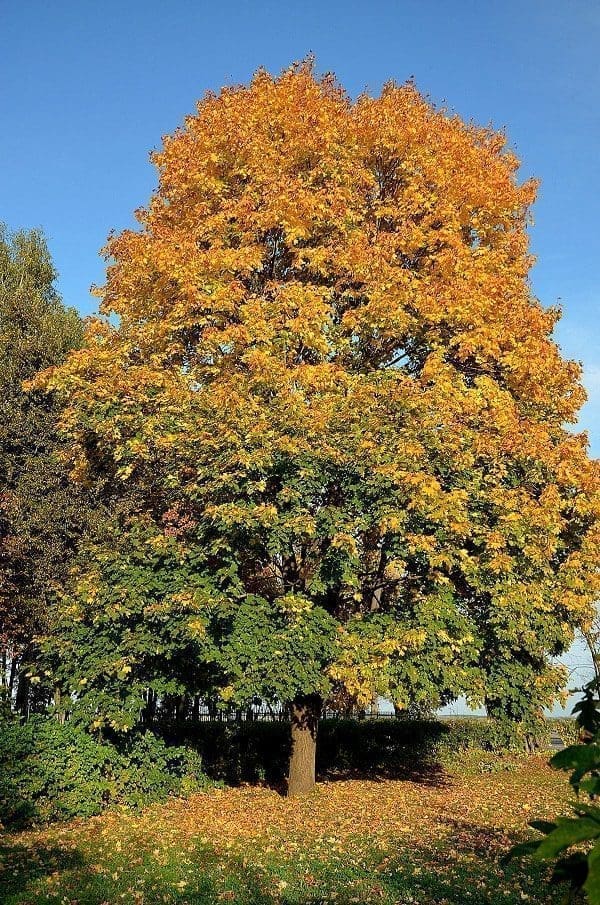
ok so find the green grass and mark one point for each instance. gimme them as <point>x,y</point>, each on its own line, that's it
<point>350,842</point>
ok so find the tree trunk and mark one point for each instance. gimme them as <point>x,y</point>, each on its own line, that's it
<point>22,696</point>
<point>306,711</point>
<point>14,669</point>
<point>59,713</point>
<point>595,655</point>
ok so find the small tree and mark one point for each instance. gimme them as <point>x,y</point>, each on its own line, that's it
<point>329,382</point>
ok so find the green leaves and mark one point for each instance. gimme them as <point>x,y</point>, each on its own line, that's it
<point>581,759</point>
<point>42,515</point>
<point>580,869</point>
<point>592,881</point>
<point>567,832</point>
<point>50,771</point>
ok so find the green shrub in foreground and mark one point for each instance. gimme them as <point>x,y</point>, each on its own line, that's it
<point>50,771</point>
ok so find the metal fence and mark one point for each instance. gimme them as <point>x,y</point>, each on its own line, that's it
<point>274,713</point>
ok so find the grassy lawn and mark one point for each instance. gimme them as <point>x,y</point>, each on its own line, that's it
<point>349,842</point>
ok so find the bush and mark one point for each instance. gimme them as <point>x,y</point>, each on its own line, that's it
<point>483,734</point>
<point>145,769</point>
<point>378,747</point>
<point>245,752</point>
<point>50,771</point>
<point>567,729</point>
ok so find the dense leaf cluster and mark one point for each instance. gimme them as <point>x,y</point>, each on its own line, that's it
<point>50,771</point>
<point>338,414</point>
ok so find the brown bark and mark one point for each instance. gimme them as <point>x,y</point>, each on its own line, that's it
<point>22,696</point>
<point>59,713</point>
<point>305,710</point>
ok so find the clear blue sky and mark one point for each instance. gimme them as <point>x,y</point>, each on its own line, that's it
<point>87,88</point>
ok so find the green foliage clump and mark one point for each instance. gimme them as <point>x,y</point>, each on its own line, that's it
<point>52,771</point>
<point>145,769</point>
<point>147,616</point>
<point>491,735</point>
<point>43,515</point>
<point>49,771</point>
<point>567,729</point>
<point>573,843</point>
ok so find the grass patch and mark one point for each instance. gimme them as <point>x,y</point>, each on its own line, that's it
<point>349,842</point>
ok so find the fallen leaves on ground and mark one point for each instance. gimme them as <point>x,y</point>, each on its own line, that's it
<point>348,842</point>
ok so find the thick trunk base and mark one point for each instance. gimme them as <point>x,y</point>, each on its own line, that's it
<point>306,711</point>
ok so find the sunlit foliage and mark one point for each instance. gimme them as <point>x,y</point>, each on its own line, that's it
<point>324,378</point>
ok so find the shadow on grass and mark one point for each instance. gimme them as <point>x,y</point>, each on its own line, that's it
<point>426,773</point>
<point>22,865</point>
<point>462,868</point>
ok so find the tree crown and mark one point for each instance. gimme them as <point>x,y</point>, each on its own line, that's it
<point>330,376</point>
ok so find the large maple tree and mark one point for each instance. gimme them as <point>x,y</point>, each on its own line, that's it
<point>325,374</point>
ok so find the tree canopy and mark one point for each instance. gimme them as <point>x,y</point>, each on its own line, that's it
<point>323,376</point>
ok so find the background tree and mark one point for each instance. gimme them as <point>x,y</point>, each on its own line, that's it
<point>41,513</point>
<point>330,385</point>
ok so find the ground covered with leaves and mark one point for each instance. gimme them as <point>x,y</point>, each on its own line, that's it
<point>436,840</point>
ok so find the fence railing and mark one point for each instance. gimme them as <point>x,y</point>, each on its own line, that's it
<point>274,714</point>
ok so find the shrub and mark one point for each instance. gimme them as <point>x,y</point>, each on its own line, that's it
<point>567,729</point>
<point>145,769</point>
<point>245,752</point>
<point>484,734</point>
<point>50,771</point>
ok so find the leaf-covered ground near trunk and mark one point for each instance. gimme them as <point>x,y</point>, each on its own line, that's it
<point>348,842</point>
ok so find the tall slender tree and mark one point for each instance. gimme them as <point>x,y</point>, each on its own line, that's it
<point>40,511</point>
<point>327,378</point>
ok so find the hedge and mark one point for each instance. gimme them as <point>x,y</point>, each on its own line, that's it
<point>250,752</point>
<point>50,771</point>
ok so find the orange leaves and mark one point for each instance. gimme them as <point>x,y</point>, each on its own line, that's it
<point>289,218</point>
<point>327,350</point>
<point>373,840</point>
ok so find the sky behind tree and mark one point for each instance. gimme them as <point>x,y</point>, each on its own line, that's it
<point>88,89</point>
